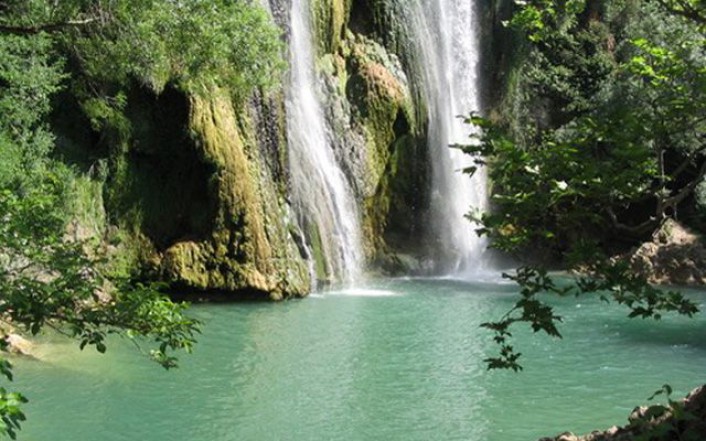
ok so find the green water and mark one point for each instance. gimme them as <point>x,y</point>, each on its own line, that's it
<point>399,360</point>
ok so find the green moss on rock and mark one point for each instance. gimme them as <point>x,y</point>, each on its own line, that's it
<point>377,90</point>
<point>330,19</point>
<point>250,248</point>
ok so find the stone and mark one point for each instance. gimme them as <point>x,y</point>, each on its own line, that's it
<point>656,423</point>
<point>18,345</point>
<point>674,256</point>
<point>612,431</point>
<point>638,413</point>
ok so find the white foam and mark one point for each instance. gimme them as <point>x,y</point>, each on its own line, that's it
<point>366,292</point>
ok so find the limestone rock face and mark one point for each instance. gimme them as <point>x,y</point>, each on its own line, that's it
<point>371,110</point>
<point>674,256</point>
<point>198,194</point>
<point>250,247</point>
<point>331,18</point>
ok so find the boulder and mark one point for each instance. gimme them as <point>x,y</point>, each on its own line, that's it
<point>675,256</point>
<point>18,345</point>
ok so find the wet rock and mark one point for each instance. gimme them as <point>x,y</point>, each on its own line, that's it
<point>638,414</point>
<point>18,345</point>
<point>249,247</point>
<point>675,256</point>
<point>612,431</point>
<point>685,419</point>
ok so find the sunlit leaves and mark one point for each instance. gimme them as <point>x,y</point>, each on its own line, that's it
<point>529,309</point>
<point>11,414</point>
<point>28,78</point>
<point>540,18</point>
<point>196,45</point>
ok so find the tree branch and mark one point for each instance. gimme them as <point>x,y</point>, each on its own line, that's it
<point>47,27</point>
<point>632,230</point>
<point>684,9</point>
<point>682,167</point>
<point>672,201</point>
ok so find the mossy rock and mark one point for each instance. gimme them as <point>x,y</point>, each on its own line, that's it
<point>377,90</point>
<point>194,184</point>
<point>371,110</point>
<point>330,19</point>
<point>250,248</point>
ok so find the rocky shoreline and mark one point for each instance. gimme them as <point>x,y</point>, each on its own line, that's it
<point>680,420</point>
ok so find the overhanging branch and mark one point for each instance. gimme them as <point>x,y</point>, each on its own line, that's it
<point>685,191</point>
<point>632,230</point>
<point>684,9</point>
<point>47,27</point>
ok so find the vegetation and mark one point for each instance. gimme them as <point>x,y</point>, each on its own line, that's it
<point>93,53</point>
<point>610,141</point>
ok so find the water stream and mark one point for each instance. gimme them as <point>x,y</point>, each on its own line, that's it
<point>320,192</point>
<point>443,38</point>
<point>442,45</point>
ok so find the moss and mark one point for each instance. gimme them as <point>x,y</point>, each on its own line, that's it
<point>377,91</point>
<point>393,214</point>
<point>159,183</point>
<point>317,253</point>
<point>330,19</point>
<point>372,18</point>
<point>250,247</point>
<point>198,203</point>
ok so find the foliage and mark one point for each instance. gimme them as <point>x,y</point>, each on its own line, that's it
<point>693,10</point>
<point>96,52</point>
<point>678,419</point>
<point>28,77</point>
<point>617,145</point>
<point>195,44</point>
<point>47,281</point>
<point>112,47</point>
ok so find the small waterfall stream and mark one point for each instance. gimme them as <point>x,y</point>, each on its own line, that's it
<point>443,39</point>
<point>441,45</point>
<point>321,194</point>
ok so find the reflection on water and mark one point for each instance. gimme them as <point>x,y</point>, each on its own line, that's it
<point>395,360</point>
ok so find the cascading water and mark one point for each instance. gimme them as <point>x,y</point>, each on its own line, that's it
<point>443,43</point>
<point>321,194</point>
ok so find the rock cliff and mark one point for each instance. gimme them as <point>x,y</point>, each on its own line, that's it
<point>195,190</point>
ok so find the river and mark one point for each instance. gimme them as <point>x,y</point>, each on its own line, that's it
<point>395,360</point>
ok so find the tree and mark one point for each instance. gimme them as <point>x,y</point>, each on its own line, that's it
<point>95,51</point>
<point>694,10</point>
<point>194,44</point>
<point>47,281</point>
<point>618,146</point>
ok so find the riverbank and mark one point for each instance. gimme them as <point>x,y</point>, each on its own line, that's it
<point>679,420</point>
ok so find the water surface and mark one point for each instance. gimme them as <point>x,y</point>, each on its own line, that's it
<point>396,360</point>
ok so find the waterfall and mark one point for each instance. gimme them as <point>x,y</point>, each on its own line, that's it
<point>444,48</point>
<point>320,192</point>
